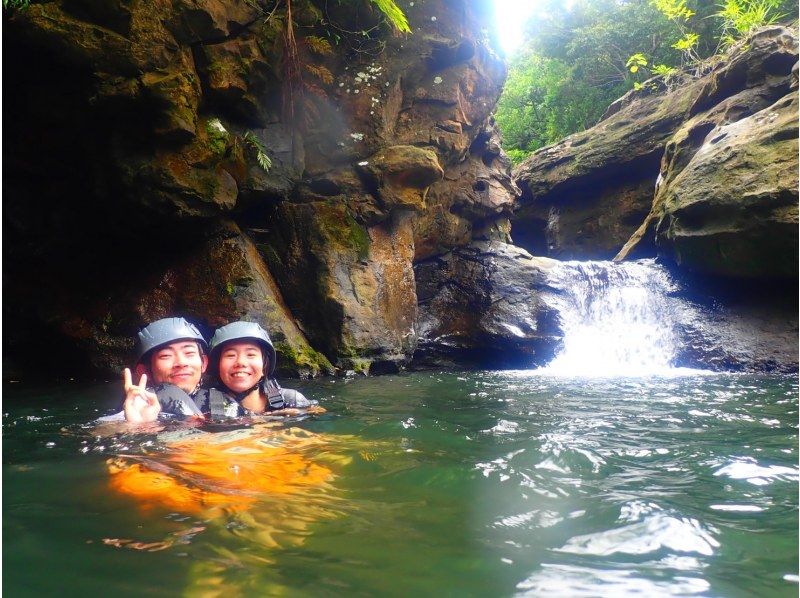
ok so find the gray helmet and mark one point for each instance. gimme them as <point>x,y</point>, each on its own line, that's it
<point>236,331</point>
<point>162,332</point>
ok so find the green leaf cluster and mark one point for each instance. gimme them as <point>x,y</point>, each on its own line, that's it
<point>16,4</point>
<point>579,57</point>
<point>261,152</point>
<point>393,14</point>
<point>543,102</point>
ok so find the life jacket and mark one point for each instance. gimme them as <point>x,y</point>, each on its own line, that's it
<point>277,398</point>
<point>176,401</point>
<point>210,401</point>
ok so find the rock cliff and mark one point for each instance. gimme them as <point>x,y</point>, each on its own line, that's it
<point>234,159</point>
<point>700,169</point>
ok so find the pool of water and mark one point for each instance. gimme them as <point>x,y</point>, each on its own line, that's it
<point>481,483</point>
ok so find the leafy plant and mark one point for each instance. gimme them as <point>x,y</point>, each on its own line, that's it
<point>318,45</point>
<point>740,17</point>
<point>393,14</point>
<point>261,152</point>
<point>675,10</point>
<point>582,55</point>
<point>320,72</point>
<point>663,70</point>
<point>16,4</point>
<point>635,62</point>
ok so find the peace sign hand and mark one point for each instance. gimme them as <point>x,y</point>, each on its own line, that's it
<point>140,405</point>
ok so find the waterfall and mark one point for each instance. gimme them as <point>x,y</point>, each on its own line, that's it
<point>617,319</point>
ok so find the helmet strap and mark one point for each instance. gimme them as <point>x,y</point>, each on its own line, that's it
<point>239,397</point>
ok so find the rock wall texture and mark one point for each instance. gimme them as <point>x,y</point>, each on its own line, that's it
<point>487,304</point>
<point>699,170</point>
<point>185,157</point>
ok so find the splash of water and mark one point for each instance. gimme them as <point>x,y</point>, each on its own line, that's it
<point>616,318</point>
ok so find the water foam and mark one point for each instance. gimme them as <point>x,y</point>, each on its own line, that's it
<point>616,319</point>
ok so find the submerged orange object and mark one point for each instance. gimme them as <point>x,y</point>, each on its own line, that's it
<point>227,471</point>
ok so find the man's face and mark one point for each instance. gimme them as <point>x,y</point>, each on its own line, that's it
<point>179,363</point>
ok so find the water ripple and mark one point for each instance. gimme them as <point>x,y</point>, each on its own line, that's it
<point>656,532</point>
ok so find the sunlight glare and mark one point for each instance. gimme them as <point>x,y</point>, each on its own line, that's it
<point>510,17</point>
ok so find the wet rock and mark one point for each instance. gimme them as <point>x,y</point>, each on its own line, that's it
<point>585,196</point>
<point>402,174</point>
<point>177,118</point>
<point>487,304</point>
<point>237,77</point>
<point>722,329</point>
<point>196,21</point>
<point>177,89</point>
<point>352,286</point>
<point>757,75</point>
<point>473,201</point>
<point>733,210</point>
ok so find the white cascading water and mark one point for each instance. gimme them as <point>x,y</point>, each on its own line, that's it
<point>616,319</point>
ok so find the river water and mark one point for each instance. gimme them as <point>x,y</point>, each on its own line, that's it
<point>468,484</point>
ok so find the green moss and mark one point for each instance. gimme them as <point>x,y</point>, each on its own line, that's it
<point>357,236</point>
<point>218,137</point>
<point>361,366</point>
<point>339,225</point>
<point>304,356</point>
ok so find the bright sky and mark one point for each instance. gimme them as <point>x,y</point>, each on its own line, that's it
<point>511,16</point>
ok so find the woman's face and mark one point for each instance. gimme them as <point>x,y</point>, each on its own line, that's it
<point>241,365</point>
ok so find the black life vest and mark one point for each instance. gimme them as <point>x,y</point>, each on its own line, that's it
<point>210,401</point>
<point>177,401</point>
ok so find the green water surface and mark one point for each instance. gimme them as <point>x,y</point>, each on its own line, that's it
<point>473,484</point>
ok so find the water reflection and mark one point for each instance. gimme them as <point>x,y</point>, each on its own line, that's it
<point>471,484</point>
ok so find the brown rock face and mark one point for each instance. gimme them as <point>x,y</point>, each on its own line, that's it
<point>488,304</point>
<point>168,163</point>
<point>585,196</point>
<point>732,211</point>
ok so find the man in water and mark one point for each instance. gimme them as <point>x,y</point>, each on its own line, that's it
<point>170,351</point>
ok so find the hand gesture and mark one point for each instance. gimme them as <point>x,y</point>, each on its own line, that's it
<point>140,404</point>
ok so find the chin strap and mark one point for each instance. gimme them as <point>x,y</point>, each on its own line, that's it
<point>272,389</point>
<point>240,396</point>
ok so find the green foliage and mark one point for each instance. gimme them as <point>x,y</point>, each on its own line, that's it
<point>663,70</point>
<point>579,59</point>
<point>261,152</point>
<point>674,9</point>
<point>636,61</point>
<point>543,101</point>
<point>218,136</point>
<point>16,4</point>
<point>740,17</point>
<point>393,14</point>
<point>687,43</point>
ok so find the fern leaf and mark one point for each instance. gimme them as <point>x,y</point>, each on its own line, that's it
<point>264,161</point>
<point>393,14</point>
<point>315,90</point>
<point>318,45</point>
<point>321,73</point>
<point>261,153</point>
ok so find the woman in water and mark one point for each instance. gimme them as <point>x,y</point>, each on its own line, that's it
<point>242,362</point>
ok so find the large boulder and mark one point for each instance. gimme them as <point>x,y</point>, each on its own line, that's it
<point>488,304</point>
<point>733,210</point>
<point>352,286</point>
